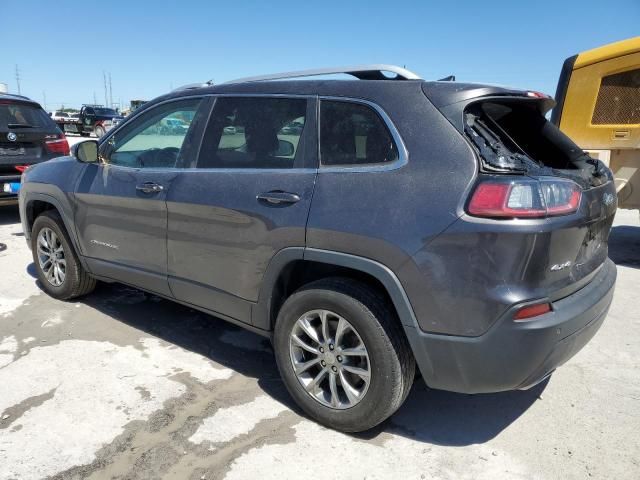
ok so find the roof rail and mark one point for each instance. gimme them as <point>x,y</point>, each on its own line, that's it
<point>191,86</point>
<point>361,72</point>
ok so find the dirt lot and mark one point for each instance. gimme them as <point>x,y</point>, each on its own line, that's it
<point>122,384</point>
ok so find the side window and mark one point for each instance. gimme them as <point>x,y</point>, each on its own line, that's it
<point>155,138</point>
<point>354,134</point>
<point>247,132</point>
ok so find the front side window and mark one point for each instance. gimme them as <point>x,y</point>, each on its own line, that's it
<point>156,138</point>
<point>354,134</point>
<point>247,132</point>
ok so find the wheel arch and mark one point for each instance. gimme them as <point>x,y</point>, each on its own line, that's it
<point>35,204</point>
<point>293,267</point>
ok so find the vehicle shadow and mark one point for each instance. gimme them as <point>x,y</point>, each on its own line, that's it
<point>9,214</point>
<point>429,416</point>
<point>624,245</point>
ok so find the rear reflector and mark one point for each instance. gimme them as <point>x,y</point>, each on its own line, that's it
<point>526,313</point>
<point>59,145</point>
<point>21,168</point>
<point>525,198</point>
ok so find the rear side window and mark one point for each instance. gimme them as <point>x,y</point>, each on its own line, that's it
<point>354,134</point>
<point>20,115</point>
<point>247,132</point>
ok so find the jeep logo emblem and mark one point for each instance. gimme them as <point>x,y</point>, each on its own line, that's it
<point>12,137</point>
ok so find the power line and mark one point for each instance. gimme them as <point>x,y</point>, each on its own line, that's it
<point>104,80</point>
<point>18,78</point>
<point>110,92</point>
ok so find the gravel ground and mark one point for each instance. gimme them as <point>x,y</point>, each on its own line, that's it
<point>122,384</point>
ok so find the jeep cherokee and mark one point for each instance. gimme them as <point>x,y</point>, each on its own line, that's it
<point>402,222</point>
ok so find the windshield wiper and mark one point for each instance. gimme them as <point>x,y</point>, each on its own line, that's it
<point>21,125</point>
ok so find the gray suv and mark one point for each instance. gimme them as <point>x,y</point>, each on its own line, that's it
<point>365,226</point>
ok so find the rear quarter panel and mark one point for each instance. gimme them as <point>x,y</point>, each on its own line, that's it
<point>388,216</point>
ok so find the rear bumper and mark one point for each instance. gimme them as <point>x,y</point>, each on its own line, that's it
<point>515,355</point>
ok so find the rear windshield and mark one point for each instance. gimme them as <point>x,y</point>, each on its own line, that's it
<point>106,112</point>
<point>20,115</point>
<point>513,135</point>
<point>523,129</point>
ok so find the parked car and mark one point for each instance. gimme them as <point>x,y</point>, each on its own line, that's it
<point>174,126</point>
<point>93,119</point>
<point>60,118</point>
<point>27,136</point>
<point>442,224</point>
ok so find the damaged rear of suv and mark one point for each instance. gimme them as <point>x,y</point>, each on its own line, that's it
<point>366,226</point>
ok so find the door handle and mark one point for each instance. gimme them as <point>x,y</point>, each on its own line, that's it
<point>149,187</point>
<point>278,197</point>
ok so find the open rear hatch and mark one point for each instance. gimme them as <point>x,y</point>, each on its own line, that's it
<point>532,175</point>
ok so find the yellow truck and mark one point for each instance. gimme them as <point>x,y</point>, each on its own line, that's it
<point>598,106</point>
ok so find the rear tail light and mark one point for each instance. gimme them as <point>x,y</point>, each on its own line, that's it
<point>530,311</point>
<point>21,168</point>
<point>58,144</point>
<point>525,198</point>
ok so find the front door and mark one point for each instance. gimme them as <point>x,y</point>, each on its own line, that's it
<point>121,212</point>
<point>246,198</point>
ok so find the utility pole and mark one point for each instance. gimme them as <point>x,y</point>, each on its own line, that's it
<point>104,80</point>
<point>95,101</point>
<point>18,78</point>
<point>44,98</point>
<point>110,92</point>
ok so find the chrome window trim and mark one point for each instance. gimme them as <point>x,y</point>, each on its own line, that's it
<point>403,153</point>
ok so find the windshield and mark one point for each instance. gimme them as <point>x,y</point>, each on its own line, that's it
<point>106,112</point>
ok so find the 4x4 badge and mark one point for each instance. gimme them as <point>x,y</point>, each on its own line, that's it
<point>12,137</point>
<point>608,198</point>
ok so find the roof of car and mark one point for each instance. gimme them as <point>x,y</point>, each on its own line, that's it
<point>16,98</point>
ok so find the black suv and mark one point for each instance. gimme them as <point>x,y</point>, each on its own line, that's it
<point>27,136</point>
<point>364,225</point>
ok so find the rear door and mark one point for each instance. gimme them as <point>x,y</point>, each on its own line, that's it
<point>246,198</point>
<point>121,214</point>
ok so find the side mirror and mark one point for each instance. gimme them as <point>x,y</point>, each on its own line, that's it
<point>285,149</point>
<point>86,152</point>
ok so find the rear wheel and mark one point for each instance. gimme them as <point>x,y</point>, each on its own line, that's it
<point>342,354</point>
<point>60,273</point>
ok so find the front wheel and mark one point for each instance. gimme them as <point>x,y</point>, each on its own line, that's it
<point>60,273</point>
<point>342,354</point>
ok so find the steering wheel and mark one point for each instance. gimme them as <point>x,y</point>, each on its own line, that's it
<point>159,157</point>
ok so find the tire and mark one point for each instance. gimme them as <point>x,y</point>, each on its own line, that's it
<point>390,361</point>
<point>99,131</point>
<point>77,282</point>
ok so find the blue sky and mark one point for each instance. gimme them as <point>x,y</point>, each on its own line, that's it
<point>63,47</point>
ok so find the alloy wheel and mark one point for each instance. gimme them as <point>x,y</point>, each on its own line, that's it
<point>329,359</point>
<point>51,257</point>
